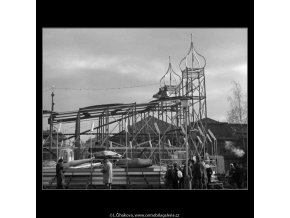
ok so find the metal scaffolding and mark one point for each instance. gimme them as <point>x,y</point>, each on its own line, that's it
<point>179,110</point>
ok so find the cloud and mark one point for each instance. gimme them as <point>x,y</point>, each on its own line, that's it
<point>106,58</point>
<point>91,63</point>
<point>151,70</point>
<point>241,68</point>
<point>72,63</point>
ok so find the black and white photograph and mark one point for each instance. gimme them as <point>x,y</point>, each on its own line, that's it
<point>145,108</point>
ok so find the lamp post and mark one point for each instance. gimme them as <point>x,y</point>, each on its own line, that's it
<point>184,104</point>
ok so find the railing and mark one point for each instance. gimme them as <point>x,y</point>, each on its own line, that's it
<point>122,179</point>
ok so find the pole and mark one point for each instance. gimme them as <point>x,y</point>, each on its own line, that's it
<point>159,152</point>
<point>126,129</point>
<point>131,145</point>
<point>51,120</point>
<point>187,180</point>
<point>186,147</point>
<point>91,159</point>
<point>126,141</point>
<point>216,158</point>
<point>56,146</point>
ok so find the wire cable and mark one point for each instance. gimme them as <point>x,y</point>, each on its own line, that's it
<point>89,89</point>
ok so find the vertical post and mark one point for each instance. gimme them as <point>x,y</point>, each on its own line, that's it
<point>77,136</point>
<point>186,147</point>
<point>107,128</point>
<point>216,153</point>
<point>131,149</point>
<point>92,129</point>
<point>159,144</point>
<point>91,160</point>
<point>186,144</point>
<point>126,130</point>
<point>91,145</point>
<point>51,119</point>
<point>58,130</point>
<point>102,128</point>
<point>121,138</point>
<point>99,130</point>
<point>56,146</point>
<point>134,135</point>
<point>186,180</point>
<point>162,110</point>
<point>159,151</point>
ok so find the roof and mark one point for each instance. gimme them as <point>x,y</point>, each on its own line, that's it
<point>224,129</point>
<point>209,120</point>
<point>150,128</point>
<point>142,128</point>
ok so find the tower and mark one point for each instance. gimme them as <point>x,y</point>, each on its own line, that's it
<point>192,85</point>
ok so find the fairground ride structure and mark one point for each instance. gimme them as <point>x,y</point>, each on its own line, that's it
<point>172,127</point>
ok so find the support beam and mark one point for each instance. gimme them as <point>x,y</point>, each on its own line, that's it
<point>77,136</point>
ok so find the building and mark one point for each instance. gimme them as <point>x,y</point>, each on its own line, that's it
<point>232,141</point>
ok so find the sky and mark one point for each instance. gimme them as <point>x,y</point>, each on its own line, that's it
<point>103,58</point>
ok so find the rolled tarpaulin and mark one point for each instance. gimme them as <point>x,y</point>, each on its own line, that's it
<point>77,162</point>
<point>135,163</point>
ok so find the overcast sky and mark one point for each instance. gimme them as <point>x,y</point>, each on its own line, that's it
<point>108,58</point>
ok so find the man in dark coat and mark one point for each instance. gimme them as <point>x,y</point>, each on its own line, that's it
<point>197,174</point>
<point>169,177</point>
<point>175,176</point>
<point>189,178</point>
<point>209,173</point>
<point>237,175</point>
<point>59,174</point>
<point>181,179</point>
<point>204,179</point>
<point>231,174</point>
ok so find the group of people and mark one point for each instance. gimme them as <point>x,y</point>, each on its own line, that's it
<point>199,174</point>
<point>107,170</point>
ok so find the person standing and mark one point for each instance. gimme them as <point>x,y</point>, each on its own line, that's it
<point>175,176</point>
<point>231,175</point>
<point>204,175</point>
<point>107,171</point>
<point>59,174</point>
<point>169,176</point>
<point>209,173</point>
<point>181,175</point>
<point>187,178</point>
<point>197,173</point>
<point>237,175</point>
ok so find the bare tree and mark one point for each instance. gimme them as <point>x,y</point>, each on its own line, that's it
<point>238,112</point>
